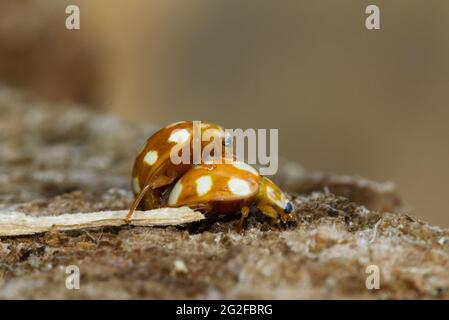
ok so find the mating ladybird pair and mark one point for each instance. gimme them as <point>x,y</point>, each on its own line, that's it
<point>221,187</point>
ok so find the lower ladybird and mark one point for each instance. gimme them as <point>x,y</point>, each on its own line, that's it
<point>226,188</point>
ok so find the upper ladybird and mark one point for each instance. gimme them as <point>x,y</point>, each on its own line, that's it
<point>154,169</point>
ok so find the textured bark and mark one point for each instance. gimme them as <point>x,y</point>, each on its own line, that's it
<point>62,159</point>
<point>19,224</point>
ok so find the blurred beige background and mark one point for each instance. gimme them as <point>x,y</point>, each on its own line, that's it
<point>346,100</point>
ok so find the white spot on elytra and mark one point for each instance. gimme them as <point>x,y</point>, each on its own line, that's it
<point>281,203</point>
<point>270,193</point>
<point>203,185</point>
<point>179,136</point>
<point>245,167</point>
<point>239,187</point>
<point>175,193</point>
<point>136,185</point>
<point>150,157</point>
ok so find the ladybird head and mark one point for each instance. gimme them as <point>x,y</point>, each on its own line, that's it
<point>271,194</point>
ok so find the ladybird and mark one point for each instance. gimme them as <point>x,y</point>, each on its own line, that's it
<point>153,169</point>
<point>224,188</point>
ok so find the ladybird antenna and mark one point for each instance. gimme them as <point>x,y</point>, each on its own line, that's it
<point>136,203</point>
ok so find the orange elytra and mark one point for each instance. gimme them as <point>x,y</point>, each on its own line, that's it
<point>223,188</point>
<point>154,169</point>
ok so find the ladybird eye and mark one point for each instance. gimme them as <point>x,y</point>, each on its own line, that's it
<point>228,139</point>
<point>288,207</point>
<point>253,210</point>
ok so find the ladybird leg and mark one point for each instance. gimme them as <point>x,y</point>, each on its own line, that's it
<point>136,203</point>
<point>154,197</point>
<point>161,181</point>
<point>269,212</point>
<point>245,213</point>
<point>284,217</point>
<point>164,179</point>
<point>153,200</point>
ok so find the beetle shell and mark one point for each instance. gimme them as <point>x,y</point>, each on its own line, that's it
<point>227,188</point>
<point>221,188</point>
<point>153,165</point>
